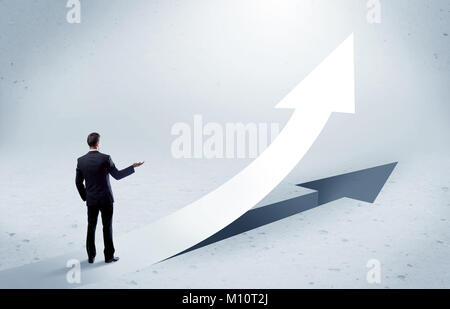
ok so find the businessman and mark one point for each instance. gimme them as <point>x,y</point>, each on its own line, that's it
<point>94,169</point>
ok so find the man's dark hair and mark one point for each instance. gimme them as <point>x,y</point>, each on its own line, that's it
<point>93,139</point>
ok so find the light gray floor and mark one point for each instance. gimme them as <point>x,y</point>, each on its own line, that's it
<point>406,229</point>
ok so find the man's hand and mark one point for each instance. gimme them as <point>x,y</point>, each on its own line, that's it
<point>137,164</point>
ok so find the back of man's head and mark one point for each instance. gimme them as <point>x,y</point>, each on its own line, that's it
<point>93,139</point>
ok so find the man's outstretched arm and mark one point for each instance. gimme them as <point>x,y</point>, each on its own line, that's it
<point>119,174</point>
<point>79,178</point>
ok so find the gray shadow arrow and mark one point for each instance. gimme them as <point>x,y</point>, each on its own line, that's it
<point>363,185</point>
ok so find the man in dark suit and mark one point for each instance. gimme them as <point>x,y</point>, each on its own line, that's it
<point>94,169</point>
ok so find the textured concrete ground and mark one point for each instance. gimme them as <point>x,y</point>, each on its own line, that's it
<point>406,229</point>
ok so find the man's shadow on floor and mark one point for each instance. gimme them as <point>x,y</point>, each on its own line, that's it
<point>84,265</point>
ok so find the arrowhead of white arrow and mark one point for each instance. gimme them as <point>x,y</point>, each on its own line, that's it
<point>331,86</point>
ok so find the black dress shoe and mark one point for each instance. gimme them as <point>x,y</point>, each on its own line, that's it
<point>91,260</point>
<point>112,260</point>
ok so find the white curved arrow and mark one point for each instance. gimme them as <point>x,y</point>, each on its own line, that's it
<point>329,88</point>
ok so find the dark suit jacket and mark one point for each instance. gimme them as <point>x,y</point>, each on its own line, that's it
<point>94,169</point>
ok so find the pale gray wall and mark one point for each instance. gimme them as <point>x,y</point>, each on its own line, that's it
<point>133,68</point>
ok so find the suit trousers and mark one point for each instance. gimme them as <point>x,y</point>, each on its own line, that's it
<point>106,210</point>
